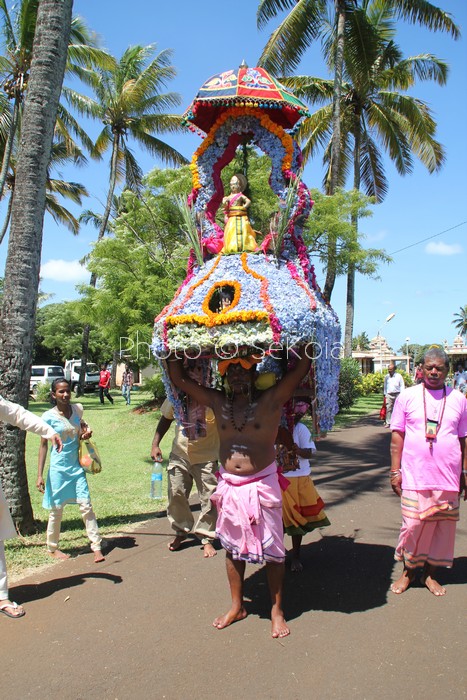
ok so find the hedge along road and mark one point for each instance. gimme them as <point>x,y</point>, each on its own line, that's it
<point>140,624</point>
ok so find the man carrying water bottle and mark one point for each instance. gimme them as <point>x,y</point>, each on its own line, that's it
<point>190,460</point>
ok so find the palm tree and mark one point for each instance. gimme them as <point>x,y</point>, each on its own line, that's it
<point>18,31</point>
<point>307,21</point>
<point>73,191</point>
<point>129,101</point>
<point>24,248</point>
<point>460,320</point>
<point>376,114</point>
<point>361,342</point>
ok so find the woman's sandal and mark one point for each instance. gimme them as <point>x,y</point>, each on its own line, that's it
<point>13,605</point>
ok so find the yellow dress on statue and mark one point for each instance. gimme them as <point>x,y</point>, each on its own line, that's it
<point>239,235</point>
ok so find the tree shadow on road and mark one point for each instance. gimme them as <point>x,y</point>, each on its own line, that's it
<point>346,468</point>
<point>36,591</point>
<point>339,575</point>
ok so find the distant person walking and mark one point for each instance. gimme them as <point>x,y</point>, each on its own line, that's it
<point>428,470</point>
<point>418,376</point>
<point>104,384</point>
<point>393,385</point>
<point>127,384</point>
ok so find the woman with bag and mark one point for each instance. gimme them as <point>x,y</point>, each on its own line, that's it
<point>66,480</point>
<point>14,414</point>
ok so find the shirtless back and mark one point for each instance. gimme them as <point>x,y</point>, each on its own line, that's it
<point>247,419</point>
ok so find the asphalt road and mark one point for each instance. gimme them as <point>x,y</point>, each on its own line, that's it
<point>140,624</point>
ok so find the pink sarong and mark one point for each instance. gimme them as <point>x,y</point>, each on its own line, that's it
<point>249,515</point>
<point>428,528</point>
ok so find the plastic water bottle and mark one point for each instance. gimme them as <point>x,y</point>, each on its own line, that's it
<point>156,480</point>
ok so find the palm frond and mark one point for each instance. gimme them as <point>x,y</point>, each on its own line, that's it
<point>288,43</point>
<point>281,220</point>
<point>426,67</point>
<point>267,9</point>
<point>70,190</point>
<point>60,214</point>
<point>160,149</point>
<point>66,125</point>
<point>133,172</point>
<point>426,14</point>
<point>189,227</point>
<point>372,170</point>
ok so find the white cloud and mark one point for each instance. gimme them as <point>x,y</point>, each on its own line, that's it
<point>375,237</point>
<point>441,248</point>
<point>64,271</point>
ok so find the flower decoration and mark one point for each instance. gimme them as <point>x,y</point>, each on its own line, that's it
<point>214,289</point>
<point>275,299</point>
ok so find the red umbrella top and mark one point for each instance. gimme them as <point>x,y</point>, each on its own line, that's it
<point>244,87</point>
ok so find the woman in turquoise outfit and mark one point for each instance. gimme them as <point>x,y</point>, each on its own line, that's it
<point>66,479</point>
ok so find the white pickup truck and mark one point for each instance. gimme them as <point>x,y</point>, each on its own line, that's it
<point>91,379</point>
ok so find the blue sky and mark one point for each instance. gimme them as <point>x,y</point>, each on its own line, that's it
<point>426,283</point>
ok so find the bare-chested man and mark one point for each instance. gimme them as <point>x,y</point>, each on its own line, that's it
<point>248,496</point>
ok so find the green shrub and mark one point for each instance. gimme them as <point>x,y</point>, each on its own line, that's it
<point>349,382</point>
<point>373,383</point>
<point>42,392</point>
<point>154,385</point>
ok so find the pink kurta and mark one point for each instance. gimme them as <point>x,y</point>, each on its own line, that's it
<point>422,468</point>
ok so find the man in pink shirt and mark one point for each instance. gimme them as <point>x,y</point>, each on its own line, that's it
<point>428,471</point>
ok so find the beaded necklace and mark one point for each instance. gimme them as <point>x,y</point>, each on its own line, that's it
<point>246,414</point>
<point>431,437</point>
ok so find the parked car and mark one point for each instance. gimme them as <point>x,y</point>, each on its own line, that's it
<point>44,374</point>
<point>91,378</point>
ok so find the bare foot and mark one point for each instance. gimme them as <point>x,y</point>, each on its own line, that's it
<point>176,542</point>
<point>11,609</point>
<point>229,618</point>
<point>98,556</point>
<point>58,554</point>
<point>403,582</point>
<point>279,625</point>
<point>433,586</point>
<point>209,550</point>
<point>296,565</point>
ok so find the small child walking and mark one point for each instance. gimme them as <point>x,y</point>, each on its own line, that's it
<point>302,506</point>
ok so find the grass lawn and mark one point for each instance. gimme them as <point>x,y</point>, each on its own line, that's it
<point>120,493</point>
<point>362,407</point>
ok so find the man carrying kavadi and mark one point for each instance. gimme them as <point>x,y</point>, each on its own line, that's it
<point>248,496</point>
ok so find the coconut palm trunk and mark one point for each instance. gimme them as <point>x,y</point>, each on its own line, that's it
<point>100,236</point>
<point>350,300</point>
<point>333,179</point>
<point>24,249</point>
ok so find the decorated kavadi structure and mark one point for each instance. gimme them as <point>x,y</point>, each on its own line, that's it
<point>250,301</point>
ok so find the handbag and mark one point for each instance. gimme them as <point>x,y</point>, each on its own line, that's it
<point>382,413</point>
<point>286,455</point>
<point>89,458</point>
